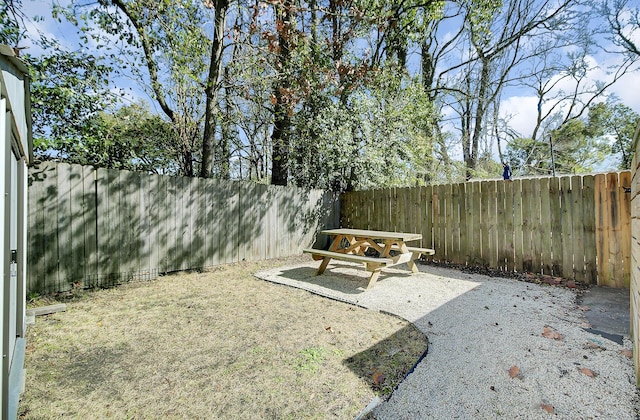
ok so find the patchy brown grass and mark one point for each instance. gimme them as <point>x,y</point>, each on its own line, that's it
<point>218,344</point>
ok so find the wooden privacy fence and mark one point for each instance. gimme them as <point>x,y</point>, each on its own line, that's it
<point>576,227</point>
<point>91,227</point>
<point>635,253</point>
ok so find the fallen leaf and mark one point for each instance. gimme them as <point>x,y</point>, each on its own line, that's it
<point>514,371</point>
<point>588,372</point>
<point>379,378</point>
<point>551,333</point>
<point>548,408</point>
<point>593,346</point>
<point>627,353</point>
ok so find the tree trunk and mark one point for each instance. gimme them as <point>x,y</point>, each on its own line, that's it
<point>280,137</point>
<point>211,89</point>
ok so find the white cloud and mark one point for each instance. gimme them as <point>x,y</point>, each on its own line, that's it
<point>627,90</point>
<point>520,112</point>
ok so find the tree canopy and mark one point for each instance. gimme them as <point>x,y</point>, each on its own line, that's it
<point>333,94</point>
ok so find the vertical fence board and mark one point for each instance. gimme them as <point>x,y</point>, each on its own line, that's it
<point>501,241</point>
<point>483,216</point>
<point>367,201</point>
<point>378,220</point>
<point>403,208</point>
<point>556,226</point>
<point>474,214</point>
<point>378,200</point>
<point>76,224</point>
<point>150,224</point>
<point>578,227</point>
<point>114,227</point>
<point>437,222</point>
<point>602,236</point>
<point>364,203</point>
<point>272,232</point>
<point>431,193</point>
<point>214,220</point>
<point>614,224</point>
<point>517,225</point>
<point>527,222</point>
<point>162,228</point>
<point>492,224</point>
<point>40,180</point>
<point>535,216</point>
<point>174,188</point>
<point>463,229</point>
<point>136,216</point>
<point>187,223</point>
<point>102,185</point>
<point>508,223</point>
<point>350,203</point>
<point>392,216</point>
<point>545,231</point>
<point>199,222</point>
<point>347,212</point>
<point>387,200</point>
<point>624,204</point>
<point>51,227</point>
<point>468,224</point>
<point>454,232</point>
<point>567,228</point>
<point>415,215</point>
<point>65,262</point>
<point>589,223</point>
<point>447,223</point>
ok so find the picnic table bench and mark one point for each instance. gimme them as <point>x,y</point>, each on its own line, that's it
<point>352,244</point>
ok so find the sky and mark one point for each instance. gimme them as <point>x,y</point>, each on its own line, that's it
<point>520,108</point>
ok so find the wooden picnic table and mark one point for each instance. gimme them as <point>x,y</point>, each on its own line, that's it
<point>353,244</point>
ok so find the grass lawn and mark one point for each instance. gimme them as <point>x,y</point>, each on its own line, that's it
<point>217,344</point>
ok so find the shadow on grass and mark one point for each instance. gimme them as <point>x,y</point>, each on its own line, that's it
<point>385,364</point>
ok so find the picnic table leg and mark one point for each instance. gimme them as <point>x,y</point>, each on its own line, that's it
<point>374,277</point>
<point>335,245</point>
<point>323,265</point>
<point>412,264</point>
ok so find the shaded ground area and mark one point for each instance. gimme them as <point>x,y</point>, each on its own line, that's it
<point>606,309</point>
<point>608,312</point>
<point>220,344</point>
<point>498,347</point>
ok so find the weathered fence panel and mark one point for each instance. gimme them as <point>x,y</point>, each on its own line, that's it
<point>576,227</point>
<point>635,254</point>
<point>90,228</point>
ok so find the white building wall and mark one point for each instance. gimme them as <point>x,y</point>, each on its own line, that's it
<point>15,153</point>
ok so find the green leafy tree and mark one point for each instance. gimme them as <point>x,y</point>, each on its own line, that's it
<point>164,46</point>
<point>575,147</point>
<point>10,18</point>
<point>67,89</point>
<point>130,138</point>
<point>617,124</point>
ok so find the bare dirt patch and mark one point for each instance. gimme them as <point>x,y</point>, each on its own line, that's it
<point>215,344</point>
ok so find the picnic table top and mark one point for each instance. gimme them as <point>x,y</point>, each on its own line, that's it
<point>374,234</point>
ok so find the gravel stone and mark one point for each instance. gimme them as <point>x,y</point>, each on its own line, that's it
<point>480,328</point>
